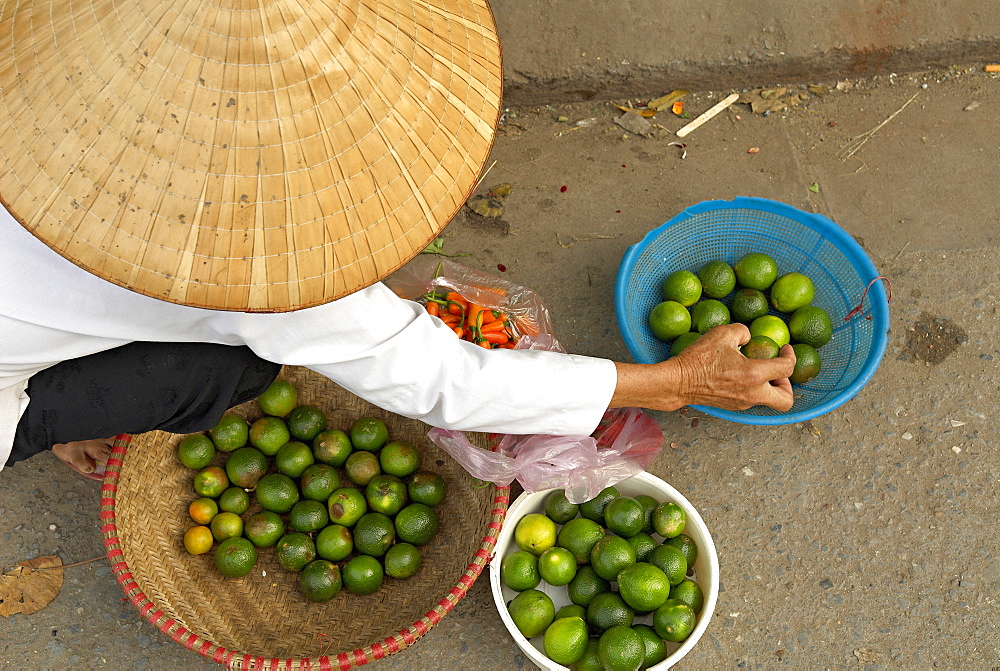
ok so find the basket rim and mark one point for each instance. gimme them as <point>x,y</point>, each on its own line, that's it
<point>879,312</point>
<point>246,660</point>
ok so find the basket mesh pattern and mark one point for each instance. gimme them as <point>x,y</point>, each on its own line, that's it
<point>799,242</point>
<point>262,620</point>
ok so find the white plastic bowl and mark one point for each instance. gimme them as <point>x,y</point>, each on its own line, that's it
<point>706,567</point>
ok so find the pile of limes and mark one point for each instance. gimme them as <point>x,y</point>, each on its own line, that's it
<point>344,509</point>
<point>627,568</point>
<point>776,308</point>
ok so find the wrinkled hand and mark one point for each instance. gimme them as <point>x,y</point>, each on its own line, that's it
<point>711,371</point>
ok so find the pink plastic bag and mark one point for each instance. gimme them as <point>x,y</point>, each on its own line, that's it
<point>625,443</point>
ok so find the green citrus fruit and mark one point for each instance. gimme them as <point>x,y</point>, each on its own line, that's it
<point>674,621</point>
<point>535,533</point>
<point>210,481</point>
<point>198,540</point>
<point>557,566</point>
<point>671,561</point>
<point>235,557</point>
<point>682,286</point>
<point>320,581</point>
<point>643,544</point>
<point>532,612</point>
<point>655,647</point>
<point>565,640</point>
<point>332,447</point>
<point>717,279</point>
<point>590,660</point>
<point>586,585</point>
<point>226,525</point>
<point>620,648</point>
<point>644,587</point>
<point>318,481</point>
<point>203,509</point>
<point>335,542</point>
<point>399,458</point>
<point>686,545</point>
<point>293,458</point>
<point>558,508</point>
<point>624,516</point>
<point>386,494</point>
<point>807,363</point>
<point>756,271</point>
<point>374,534</point>
<point>279,399</point>
<point>610,555</point>
<point>519,571</point>
<point>277,492</point>
<point>669,519</point>
<point>760,347</point>
<point>402,561</point>
<point>230,433</point>
<point>268,434</point>
<point>689,592</point>
<point>708,314</point>
<point>416,523</point>
<point>363,575</point>
<point>791,292</point>
<point>196,451</point>
<point>308,516</point>
<point>426,487</point>
<point>572,610</point>
<point>234,500</point>
<point>682,341</point>
<point>668,320</point>
<point>264,528</point>
<point>294,551</point>
<point>579,536</point>
<point>648,506</point>
<point>361,467</point>
<point>810,325</point>
<point>747,305</point>
<point>607,610</point>
<point>369,434</point>
<point>246,466</point>
<point>346,506</point>
<point>593,509</point>
<point>306,422</point>
<point>773,327</point>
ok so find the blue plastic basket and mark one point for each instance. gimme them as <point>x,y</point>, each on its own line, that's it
<point>799,242</point>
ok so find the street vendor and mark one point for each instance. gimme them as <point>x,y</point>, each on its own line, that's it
<point>194,196</point>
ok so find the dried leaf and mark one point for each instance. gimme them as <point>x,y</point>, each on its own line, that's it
<point>486,206</point>
<point>666,101</point>
<point>501,190</point>
<point>819,89</point>
<point>26,589</point>
<point>772,94</point>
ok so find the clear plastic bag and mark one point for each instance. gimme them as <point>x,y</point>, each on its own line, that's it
<point>625,443</point>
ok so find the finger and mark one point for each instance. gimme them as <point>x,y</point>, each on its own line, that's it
<point>780,395</point>
<point>734,335</point>
<point>781,366</point>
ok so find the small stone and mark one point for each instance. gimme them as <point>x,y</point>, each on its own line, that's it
<point>907,436</point>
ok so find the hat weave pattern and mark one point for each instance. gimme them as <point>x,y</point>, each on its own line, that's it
<point>253,155</point>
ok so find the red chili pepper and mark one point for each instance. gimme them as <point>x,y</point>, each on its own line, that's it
<point>432,308</point>
<point>496,338</point>
<point>495,327</point>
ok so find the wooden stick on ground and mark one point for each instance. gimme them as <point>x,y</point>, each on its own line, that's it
<point>708,114</point>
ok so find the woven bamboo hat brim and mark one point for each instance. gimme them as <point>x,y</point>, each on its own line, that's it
<point>255,155</point>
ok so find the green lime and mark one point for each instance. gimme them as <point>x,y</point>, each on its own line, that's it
<point>655,647</point>
<point>773,327</point>
<point>674,621</point>
<point>648,506</point>
<point>264,528</point>
<point>306,422</point>
<point>590,660</point>
<point>369,434</point>
<point>572,610</point>
<point>346,506</point>
<point>235,557</point>
<point>586,585</point>
<point>668,320</point>
<point>558,508</point>
<point>335,542</point>
<point>756,271</point>
<point>374,534</point>
<point>621,648</point>
<point>682,286</point>
<point>644,587</point>
<point>532,612</point>
<point>293,458</point>
<point>363,575</point>
<point>557,566</point>
<point>318,481</point>
<point>807,363</point>
<point>689,592</point>
<point>399,458</point>
<point>279,399</point>
<point>230,433</point>
<point>760,347</point>
<point>682,341</point>
<point>402,561</point>
<point>332,447</point>
<point>416,523</point>
<point>246,466</point>
<point>708,314</point>
<point>643,544</point>
<point>320,581</point>
<point>669,519</point>
<point>386,494</point>
<point>294,551</point>
<point>426,487</point>
<point>210,481</point>
<point>717,279</point>
<point>308,516</point>
<point>610,555</point>
<point>810,325</point>
<point>671,561</point>
<point>196,451</point>
<point>624,516</point>
<point>607,610</point>
<point>361,467</point>
<point>791,292</point>
<point>268,434</point>
<point>686,545</point>
<point>535,533</point>
<point>565,640</point>
<point>277,492</point>
<point>234,500</point>
<point>747,305</point>
<point>593,509</point>
<point>519,571</point>
<point>579,536</point>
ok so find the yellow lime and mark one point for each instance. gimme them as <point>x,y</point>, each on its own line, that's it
<point>196,451</point>
<point>674,621</point>
<point>198,540</point>
<point>535,533</point>
<point>708,314</point>
<point>519,571</point>
<point>682,286</point>
<point>532,612</point>
<point>557,566</point>
<point>203,509</point>
<point>279,399</point>
<point>644,587</point>
<point>810,325</point>
<point>760,347</point>
<point>791,292</point>
<point>669,319</point>
<point>717,279</point>
<point>235,557</point>
<point>363,575</point>
<point>565,640</point>
<point>320,581</point>
<point>231,432</point>
<point>807,363</point>
<point>773,327</point>
<point>756,271</point>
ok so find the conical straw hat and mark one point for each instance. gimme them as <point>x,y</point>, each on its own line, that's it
<point>256,155</point>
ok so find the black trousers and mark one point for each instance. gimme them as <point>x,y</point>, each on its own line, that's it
<point>142,386</point>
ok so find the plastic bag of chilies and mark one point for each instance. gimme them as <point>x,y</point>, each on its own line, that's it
<point>625,443</point>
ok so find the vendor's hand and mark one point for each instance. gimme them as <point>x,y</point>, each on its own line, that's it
<point>710,371</point>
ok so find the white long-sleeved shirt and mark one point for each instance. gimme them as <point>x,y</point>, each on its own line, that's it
<point>384,349</point>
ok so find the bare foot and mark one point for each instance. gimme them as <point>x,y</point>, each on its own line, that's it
<point>84,455</point>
